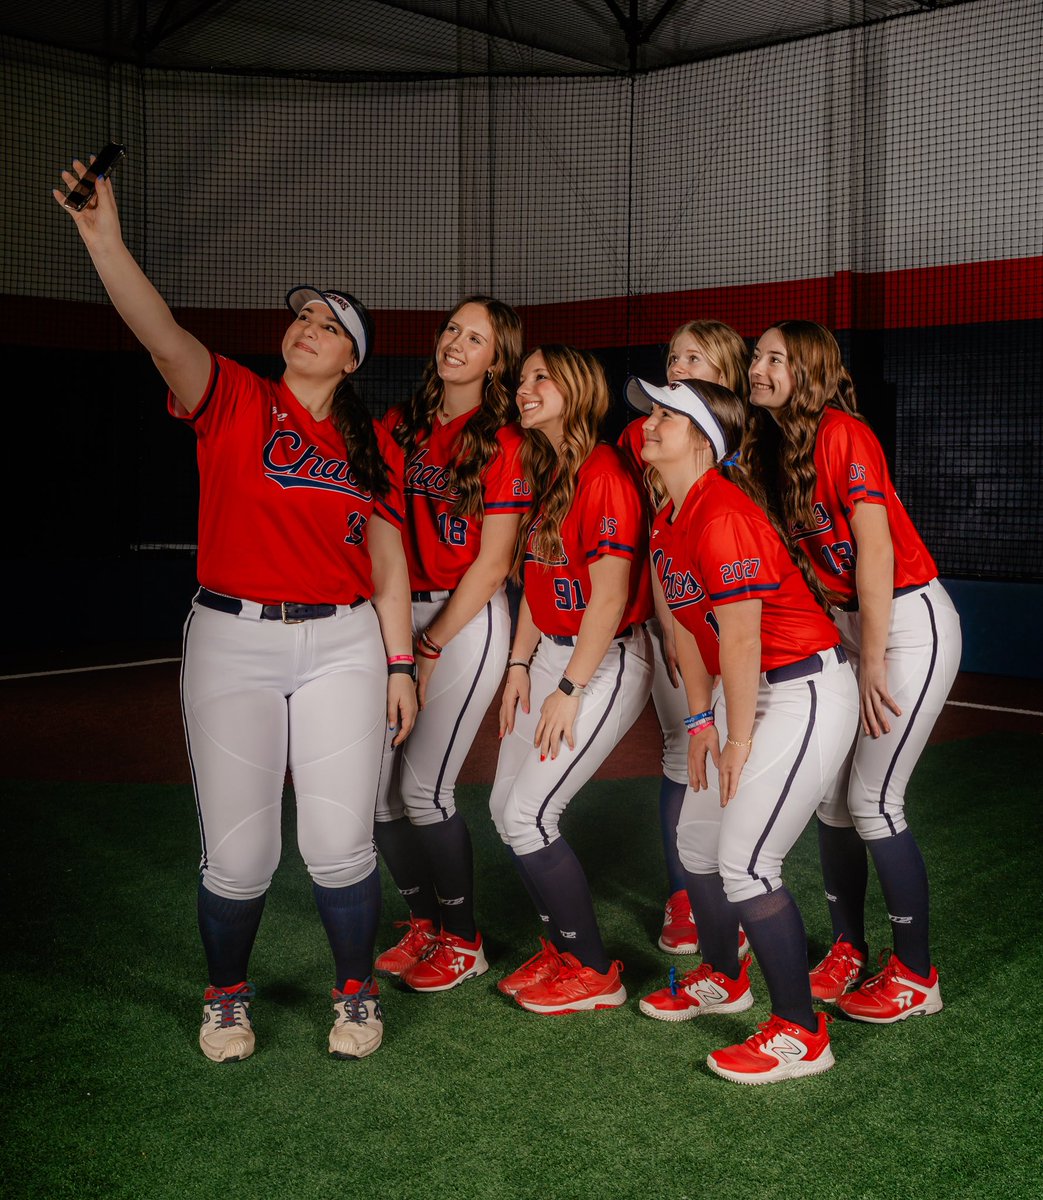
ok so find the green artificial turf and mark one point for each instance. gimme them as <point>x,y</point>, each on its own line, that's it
<point>106,1092</point>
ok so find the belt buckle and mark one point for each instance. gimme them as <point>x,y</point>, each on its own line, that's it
<point>290,620</point>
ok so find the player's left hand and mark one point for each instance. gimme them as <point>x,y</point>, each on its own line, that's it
<point>874,699</point>
<point>557,715</point>
<point>402,706</point>
<point>729,769</point>
<point>424,670</point>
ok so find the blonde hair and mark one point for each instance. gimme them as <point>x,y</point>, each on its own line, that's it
<point>725,350</point>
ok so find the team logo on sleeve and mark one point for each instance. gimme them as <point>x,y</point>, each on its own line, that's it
<point>290,467</point>
<point>680,588</point>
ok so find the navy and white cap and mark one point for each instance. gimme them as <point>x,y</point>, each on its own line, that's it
<point>680,397</point>
<point>348,311</point>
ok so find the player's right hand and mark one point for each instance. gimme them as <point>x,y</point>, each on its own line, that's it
<point>99,218</point>
<point>706,741</point>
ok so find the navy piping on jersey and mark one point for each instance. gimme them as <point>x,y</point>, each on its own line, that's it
<point>751,869</point>
<point>188,741</point>
<point>200,408</point>
<point>463,709</point>
<point>912,720</point>
<point>594,733</point>
<point>746,589</point>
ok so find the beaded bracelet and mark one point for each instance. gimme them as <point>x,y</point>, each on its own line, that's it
<point>517,662</point>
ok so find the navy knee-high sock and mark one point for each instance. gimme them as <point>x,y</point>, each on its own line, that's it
<point>559,879</point>
<point>552,935</point>
<point>718,923</point>
<point>228,929</point>
<point>350,916</point>
<point>401,850</point>
<point>776,932</point>
<point>671,796</point>
<point>903,880</point>
<point>447,848</point>
<point>845,872</point>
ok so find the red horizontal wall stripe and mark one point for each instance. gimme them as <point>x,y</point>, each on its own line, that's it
<point>921,297</point>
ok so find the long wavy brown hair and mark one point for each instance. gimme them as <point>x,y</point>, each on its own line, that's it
<point>352,420</point>
<point>730,412</point>
<point>779,446</point>
<point>476,444</point>
<point>550,470</point>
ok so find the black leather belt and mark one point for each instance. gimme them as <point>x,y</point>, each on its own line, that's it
<point>429,597</point>
<point>560,640</point>
<point>812,665</point>
<point>852,605</point>
<point>289,611</point>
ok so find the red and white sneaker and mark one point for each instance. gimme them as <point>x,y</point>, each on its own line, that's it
<point>703,990</point>
<point>448,961</point>
<point>838,972</point>
<point>679,934</point>
<point>893,995</point>
<point>778,1050</point>
<point>419,935</point>
<point>574,988</point>
<point>543,965</point>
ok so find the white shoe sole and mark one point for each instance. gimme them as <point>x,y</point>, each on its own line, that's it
<point>591,1004</point>
<point>795,1070</point>
<point>744,1002</point>
<point>683,948</point>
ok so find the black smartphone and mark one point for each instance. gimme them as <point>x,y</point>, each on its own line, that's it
<point>105,160</point>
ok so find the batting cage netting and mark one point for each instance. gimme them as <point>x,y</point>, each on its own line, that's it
<point>882,179</point>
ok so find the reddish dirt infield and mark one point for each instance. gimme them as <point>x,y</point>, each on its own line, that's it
<point>123,725</point>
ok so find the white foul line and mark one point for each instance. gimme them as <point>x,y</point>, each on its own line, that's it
<point>145,662</point>
<point>1023,712</point>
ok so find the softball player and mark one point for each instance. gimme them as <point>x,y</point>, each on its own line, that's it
<point>698,350</point>
<point>465,494</point>
<point>586,594</point>
<point>303,592</point>
<point>787,703</point>
<point>900,631</point>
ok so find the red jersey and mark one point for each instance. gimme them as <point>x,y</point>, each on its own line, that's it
<point>440,545</point>
<point>852,469</point>
<point>722,549</point>
<point>606,517</point>
<point>281,514</point>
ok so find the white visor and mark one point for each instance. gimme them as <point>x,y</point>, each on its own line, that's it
<point>680,397</point>
<point>341,307</point>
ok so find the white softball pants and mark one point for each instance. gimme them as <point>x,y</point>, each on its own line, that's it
<point>671,706</point>
<point>260,695</point>
<point>923,656</point>
<point>529,796</point>
<point>419,779</point>
<point>801,733</point>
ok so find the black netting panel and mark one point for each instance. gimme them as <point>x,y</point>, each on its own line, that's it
<point>882,179</point>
